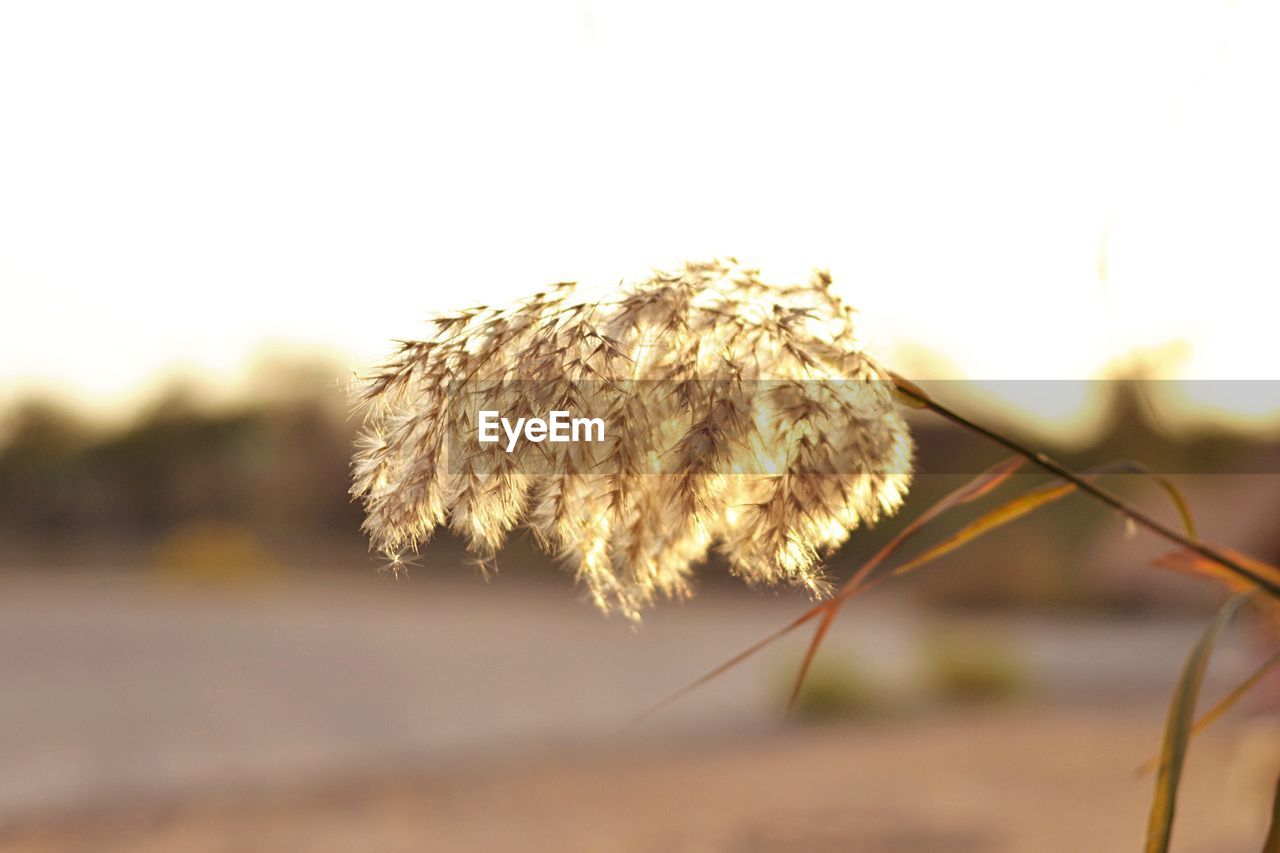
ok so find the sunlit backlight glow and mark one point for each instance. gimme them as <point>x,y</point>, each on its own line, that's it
<point>740,405</point>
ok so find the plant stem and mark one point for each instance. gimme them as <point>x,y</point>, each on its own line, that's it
<point>1056,468</point>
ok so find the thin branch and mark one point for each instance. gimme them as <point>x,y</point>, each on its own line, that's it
<point>1043,461</point>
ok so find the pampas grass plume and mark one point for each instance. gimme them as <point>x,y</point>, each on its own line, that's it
<point>732,426</point>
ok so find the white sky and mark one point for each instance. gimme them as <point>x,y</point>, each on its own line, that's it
<point>182,183</point>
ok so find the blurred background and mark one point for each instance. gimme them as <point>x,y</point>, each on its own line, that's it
<point>213,217</point>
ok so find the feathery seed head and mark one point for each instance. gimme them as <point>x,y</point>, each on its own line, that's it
<point>740,415</point>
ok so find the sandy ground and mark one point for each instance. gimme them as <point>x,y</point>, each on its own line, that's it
<point>993,781</point>
<point>361,713</point>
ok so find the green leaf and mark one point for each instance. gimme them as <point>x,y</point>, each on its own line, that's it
<point>1177,730</point>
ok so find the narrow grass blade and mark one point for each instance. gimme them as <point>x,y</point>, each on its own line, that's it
<point>1033,500</point>
<point>733,661</point>
<point>1191,563</point>
<point>978,487</point>
<point>1223,705</point>
<point>818,636</point>
<point>1179,503</point>
<point>1272,844</point>
<point>1173,748</point>
<point>1175,494</point>
<point>998,517</point>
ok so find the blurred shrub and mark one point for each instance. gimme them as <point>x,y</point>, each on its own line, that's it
<point>836,689</point>
<point>276,464</point>
<point>964,665</point>
<point>213,552</point>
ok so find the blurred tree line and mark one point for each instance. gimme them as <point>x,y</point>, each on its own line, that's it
<point>275,465</point>
<point>265,480</point>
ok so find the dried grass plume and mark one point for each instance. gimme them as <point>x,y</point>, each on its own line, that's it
<point>742,416</point>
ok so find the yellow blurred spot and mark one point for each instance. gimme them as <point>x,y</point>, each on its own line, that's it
<point>213,553</point>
